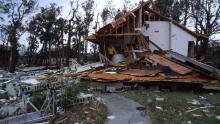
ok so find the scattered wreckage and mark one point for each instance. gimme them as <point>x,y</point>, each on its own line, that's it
<point>18,89</point>
<point>128,56</point>
<point>155,75</point>
<point>144,47</point>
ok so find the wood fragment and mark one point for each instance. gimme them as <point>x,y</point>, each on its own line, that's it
<point>165,62</point>
<point>141,73</point>
<point>118,22</point>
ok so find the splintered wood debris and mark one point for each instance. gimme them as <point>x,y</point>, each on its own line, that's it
<point>165,62</point>
<point>141,73</point>
<point>135,76</point>
<point>157,69</point>
<point>145,61</point>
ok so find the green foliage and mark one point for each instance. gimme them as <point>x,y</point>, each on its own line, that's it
<point>33,45</point>
<point>104,15</point>
<point>14,11</point>
<point>44,23</point>
<point>88,9</point>
<point>163,6</point>
<point>102,113</point>
<point>169,8</point>
<point>47,28</point>
<point>37,99</point>
<point>109,12</point>
<point>83,113</point>
<point>206,13</point>
<point>71,93</point>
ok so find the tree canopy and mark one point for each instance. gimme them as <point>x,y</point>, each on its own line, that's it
<point>15,11</point>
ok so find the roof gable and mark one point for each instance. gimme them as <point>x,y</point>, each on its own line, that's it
<point>115,26</point>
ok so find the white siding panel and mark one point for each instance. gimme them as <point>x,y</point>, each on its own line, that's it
<point>180,39</point>
<point>158,32</point>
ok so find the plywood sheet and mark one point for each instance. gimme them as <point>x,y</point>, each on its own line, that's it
<point>165,62</point>
<point>141,73</point>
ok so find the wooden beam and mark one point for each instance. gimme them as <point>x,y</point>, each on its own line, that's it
<point>140,17</point>
<point>165,62</point>
<point>118,22</point>
<point>133,14</point>
<point>160,49</point>
<point>134,24</point>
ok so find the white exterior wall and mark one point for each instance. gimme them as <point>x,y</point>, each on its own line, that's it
<point>168,36</point>
<point>158,32</point>
<point>180,39</point>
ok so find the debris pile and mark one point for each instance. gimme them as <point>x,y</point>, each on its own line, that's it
<point>139,49</point>
<point>178,106</point>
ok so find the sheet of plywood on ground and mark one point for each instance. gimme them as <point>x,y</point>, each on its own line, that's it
<point>192,75</point>
<point>141,73</point>
<point>135,79</point>
<point>110,77</point>
<point>165,62</point>
<point>194,78</point>
<point>183,79</point>
<point>212,85</point>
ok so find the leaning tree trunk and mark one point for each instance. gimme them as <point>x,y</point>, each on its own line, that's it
<point>68,43</point>
<point>61,48</point>
<point>50,54</point>
<point>79,57</point>
<point>13,56</point>
<point>13,52</point>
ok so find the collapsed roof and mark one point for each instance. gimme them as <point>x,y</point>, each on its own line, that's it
<point>143,65</point>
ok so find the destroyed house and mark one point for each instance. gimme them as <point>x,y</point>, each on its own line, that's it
<point>151,48</point>
<point>162,33</point>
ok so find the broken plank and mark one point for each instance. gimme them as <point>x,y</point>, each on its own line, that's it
<point>118,22</point>
<point>141,73</point>
<point>148,60</point>
<point>133,14</point>
<point>144,41</point>
<point>174,66</point>
<point>147,38</point>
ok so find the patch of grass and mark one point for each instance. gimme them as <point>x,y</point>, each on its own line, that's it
<point>71,93</point>
<point>102,113</point>
<point>136,96</point>
<point>214,98</point>
<point>174,107</point>
<point>92,113</point>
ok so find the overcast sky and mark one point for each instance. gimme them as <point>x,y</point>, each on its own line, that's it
<point>99,4</point>
<point>65,4</point>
